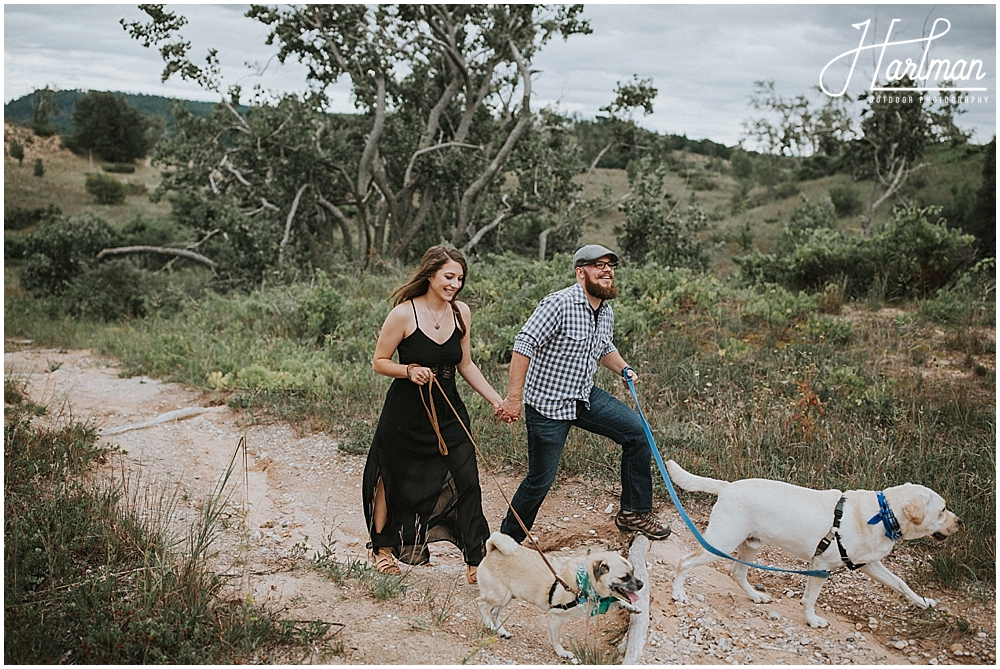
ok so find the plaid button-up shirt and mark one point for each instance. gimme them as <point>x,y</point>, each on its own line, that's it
<point>564,344</point>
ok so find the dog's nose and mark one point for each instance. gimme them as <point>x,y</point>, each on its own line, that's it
<point>960,523</point>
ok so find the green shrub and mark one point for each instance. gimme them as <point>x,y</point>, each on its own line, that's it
<point>910,257</point>
<point>61,249</point>
<point>16,151</point>
<point>106,190</point>
<point>119,168</point>
<point>38,170</point>
<point>846,200</point>
<point>19,218</point>
<point>111,290</point>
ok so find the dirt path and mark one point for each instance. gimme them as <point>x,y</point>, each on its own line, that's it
<point>301,491</point>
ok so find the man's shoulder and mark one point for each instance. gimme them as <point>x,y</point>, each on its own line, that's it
<point>571,293</point>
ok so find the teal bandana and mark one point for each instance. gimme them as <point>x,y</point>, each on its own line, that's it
<point>588,594</point>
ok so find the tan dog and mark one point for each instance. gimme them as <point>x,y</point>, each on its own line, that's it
<point>755,512</point>
<point>510,570</point>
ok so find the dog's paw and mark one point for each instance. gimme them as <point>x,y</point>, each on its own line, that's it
<point>759,597</point>
<point>816,621</point>
<point>566,655</point>
<point>927,603</point>
<point>631,608</point>
<point>679,596</point>
<point>503,633</point>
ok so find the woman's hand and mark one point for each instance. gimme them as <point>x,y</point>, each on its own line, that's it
<point>419,375</point>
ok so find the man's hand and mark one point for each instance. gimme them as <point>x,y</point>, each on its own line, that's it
<point>511,409</point>
<point>631,374</point>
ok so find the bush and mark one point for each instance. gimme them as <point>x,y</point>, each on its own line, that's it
<point>118,168</point>
<point>846,201</point>
<point>61,249</point>
<point>20,218</point>
<point>38,169</point>
<point>15,245</point>
<point>910,257</point>
<point>112,290</point>
<point>16,151</point>
<point>106,190</point>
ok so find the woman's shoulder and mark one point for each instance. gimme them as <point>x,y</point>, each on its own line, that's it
<point>400,314</point>
<point>463,308</point>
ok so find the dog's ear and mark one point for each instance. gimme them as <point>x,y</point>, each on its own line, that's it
<point>915,509</point>
<point>601,568</point>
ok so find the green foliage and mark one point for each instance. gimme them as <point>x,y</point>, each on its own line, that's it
<point>911,256</point>
<point>118,168</point>
<point>44,106</point>
<point>20,218</point>
<point>38,170</point>
<point>106,190</point>
<point>846,201</point>
<point>651,231</point>
<point>16,151</point>
<point>108,126</point>
<point>61,249</point>
<point>970,301</point>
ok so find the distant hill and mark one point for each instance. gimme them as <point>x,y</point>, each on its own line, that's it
<point>20,111</point>
<point>593,135</point>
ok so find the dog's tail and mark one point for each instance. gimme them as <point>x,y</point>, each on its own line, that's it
<point>689,481</point>
<point>499,541</point>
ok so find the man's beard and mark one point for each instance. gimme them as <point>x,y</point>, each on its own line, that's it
<point>599,291</point>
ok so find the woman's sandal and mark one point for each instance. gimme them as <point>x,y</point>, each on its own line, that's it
<point>470,574</point>
<point>383,561</point>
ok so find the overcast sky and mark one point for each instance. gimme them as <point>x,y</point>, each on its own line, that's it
<point>702,58</point>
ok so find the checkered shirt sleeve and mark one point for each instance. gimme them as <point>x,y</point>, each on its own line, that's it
<point>564,346</point>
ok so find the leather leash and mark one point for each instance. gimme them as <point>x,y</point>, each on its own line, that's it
<point>432,416</point>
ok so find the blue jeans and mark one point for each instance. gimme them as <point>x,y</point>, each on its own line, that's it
<point>606,416</point>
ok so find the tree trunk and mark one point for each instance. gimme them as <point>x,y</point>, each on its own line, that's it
<point>182,253</point>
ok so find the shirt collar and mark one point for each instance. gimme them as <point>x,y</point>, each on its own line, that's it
<point>580,296</point>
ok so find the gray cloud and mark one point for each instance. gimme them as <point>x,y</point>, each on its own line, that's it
<point>703,59</point>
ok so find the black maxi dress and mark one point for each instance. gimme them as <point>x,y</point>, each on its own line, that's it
<point>430,497</point>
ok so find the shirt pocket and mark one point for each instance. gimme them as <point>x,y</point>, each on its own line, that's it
<point>578,342</point>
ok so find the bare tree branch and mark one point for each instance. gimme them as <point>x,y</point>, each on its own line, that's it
<point>183,253</point>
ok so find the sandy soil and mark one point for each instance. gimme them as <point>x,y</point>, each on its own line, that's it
<point>300,491</point>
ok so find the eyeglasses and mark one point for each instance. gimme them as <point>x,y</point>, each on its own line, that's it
<point>601,264</point>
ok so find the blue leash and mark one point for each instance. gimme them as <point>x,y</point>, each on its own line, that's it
<point>821,573</point>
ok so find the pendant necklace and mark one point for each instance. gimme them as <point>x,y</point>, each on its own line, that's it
<point>437,322</point>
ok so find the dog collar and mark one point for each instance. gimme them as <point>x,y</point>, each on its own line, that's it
<point>885,515</point>
<point>589,594</point>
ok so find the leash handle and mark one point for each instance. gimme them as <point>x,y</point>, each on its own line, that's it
<point>821,573</point>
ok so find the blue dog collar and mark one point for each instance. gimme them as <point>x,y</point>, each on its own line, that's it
<point>887,518</point>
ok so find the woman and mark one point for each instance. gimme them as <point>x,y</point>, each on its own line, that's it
<point>414,493</point>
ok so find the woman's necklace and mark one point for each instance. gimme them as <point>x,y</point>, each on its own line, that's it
<point>438,319</point>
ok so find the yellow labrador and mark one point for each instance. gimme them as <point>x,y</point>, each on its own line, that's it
<point>510,570</point>
<point>829,528</point>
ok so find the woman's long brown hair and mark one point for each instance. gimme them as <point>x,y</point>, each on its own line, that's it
<point>434,259</point>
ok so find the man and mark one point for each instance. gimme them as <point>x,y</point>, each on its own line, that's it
<point>552,370</point>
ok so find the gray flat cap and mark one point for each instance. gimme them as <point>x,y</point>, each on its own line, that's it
<point>592,252</point>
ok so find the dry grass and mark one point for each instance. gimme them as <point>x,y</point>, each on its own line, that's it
<point>63,182</point>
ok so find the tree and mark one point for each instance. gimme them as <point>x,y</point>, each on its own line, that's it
<point>896,129</point>
<point>108,126</point>
<point>651,231</point>
<point>16,151</point>
<point>44,106</point>
<point>443,95</point>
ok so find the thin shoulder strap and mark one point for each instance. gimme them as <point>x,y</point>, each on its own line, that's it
<point>414,312</point>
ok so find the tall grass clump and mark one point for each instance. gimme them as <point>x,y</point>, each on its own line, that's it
<point>92,578</point>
